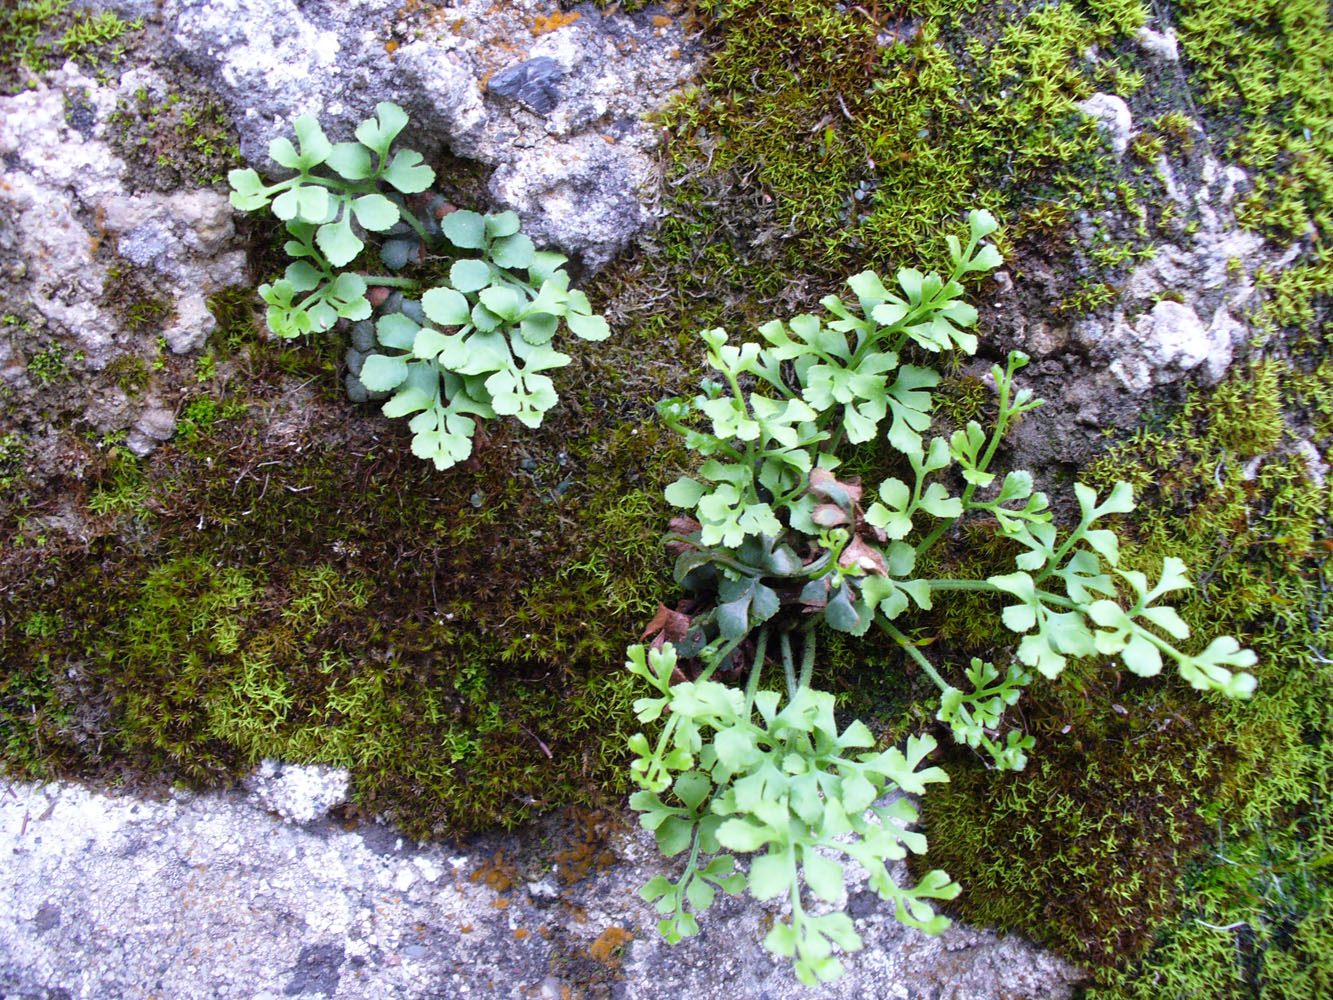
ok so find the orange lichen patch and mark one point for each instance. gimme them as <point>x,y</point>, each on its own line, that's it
<point>606,949</point>
<point>521,933</point>
<point>391,46</point>
<point>497,874</point>
<point>464,928</point>
<point>544,24</point>
<point>589,850</point>
<point>661,21</point>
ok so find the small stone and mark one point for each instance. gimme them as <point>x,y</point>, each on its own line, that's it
<point>356,391</point>
<point>396,254</point>
<point>1113,118</point>
<point>1316,469</point>
<point>157,423</point>
<point>355,359</point>
<point>413,311</point>
<point>1159,46</point>
<point>532,83</point>
<point>297,793</point>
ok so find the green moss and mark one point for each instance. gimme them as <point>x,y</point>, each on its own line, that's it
<point>1082,850</point>
<point>1262,67</point>
<point>13,454</point>
<point>891,140</point>
<point>318,594</point>
<point>37,34</point>
<point>184,139</point>
<point>49,365</point>
<point>1108,847</point>
<point>1246,410</point>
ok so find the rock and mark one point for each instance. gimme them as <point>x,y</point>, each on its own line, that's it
<point>1316,469</point>
<point>214,896</point>
<point>1165,343</point>
<point>156,425</point>
<point>560,122</point>
<point>395,254</point>
<point>76,230</point>
<point>298,794</point>
<point>356,390</point>
<point>363,335</point>
<point>532,82</point>
<point>1159,45</point>
<point>1113,118</point>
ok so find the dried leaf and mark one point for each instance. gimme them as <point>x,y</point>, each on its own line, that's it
<point>667,626</point>
<point>867,557</point>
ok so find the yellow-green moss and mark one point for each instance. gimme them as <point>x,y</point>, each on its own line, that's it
<point>1109,842</point>
<point>37,34</point>
<point>1262,67</point>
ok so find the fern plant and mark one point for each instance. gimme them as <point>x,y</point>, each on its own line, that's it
<point>772,548</point>
<point>477,343</point>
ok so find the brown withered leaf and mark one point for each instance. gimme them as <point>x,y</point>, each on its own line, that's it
<point>821,479</point>
<point>869,558</point>
<point>828,515</point>
<point>667,626</point>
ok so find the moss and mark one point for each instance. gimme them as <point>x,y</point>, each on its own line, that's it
<point>1246,410</point>
<point>1262,69</point>
<point>37,34</point>
<point>1082,850</point>
<point>1108,847</point>
<point>13,454</point>
<point>895,138</point>
<point>182,139</point>
<point>455,639</point>
<point>49,365</point>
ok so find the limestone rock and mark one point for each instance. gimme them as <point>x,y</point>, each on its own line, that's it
<point>73,226</point>
<point>215,896</point>
<point>300,794</point>
<point>1113,118</point>
<point>554,108</point>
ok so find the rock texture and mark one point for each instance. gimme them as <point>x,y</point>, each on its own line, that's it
<point>71,229</point>
<point>553,103</point>
<point>218,897</point>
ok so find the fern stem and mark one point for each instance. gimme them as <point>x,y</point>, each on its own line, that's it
<point>787,667</point>
<point>808,657</point>
<point>913,652</point>
<point>752,686</point>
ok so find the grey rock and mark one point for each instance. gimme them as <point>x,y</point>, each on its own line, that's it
<point>146,244</point>
<point>316,971</point>
<point>411,308</point>
<point>212,896</point>
<point>1316,469</point>
<point>532,82</point>
<point>561,123</point>
<point>47,917</point>
<point>155,425</point>
<point>355,359</point>
<point>1113,118</point>
<point>1159,45</point>
<point>396,254</point>
<point>297,793</point>
<point>71,215</point>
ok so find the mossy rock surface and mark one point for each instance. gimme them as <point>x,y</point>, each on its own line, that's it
<point>284,579</point>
